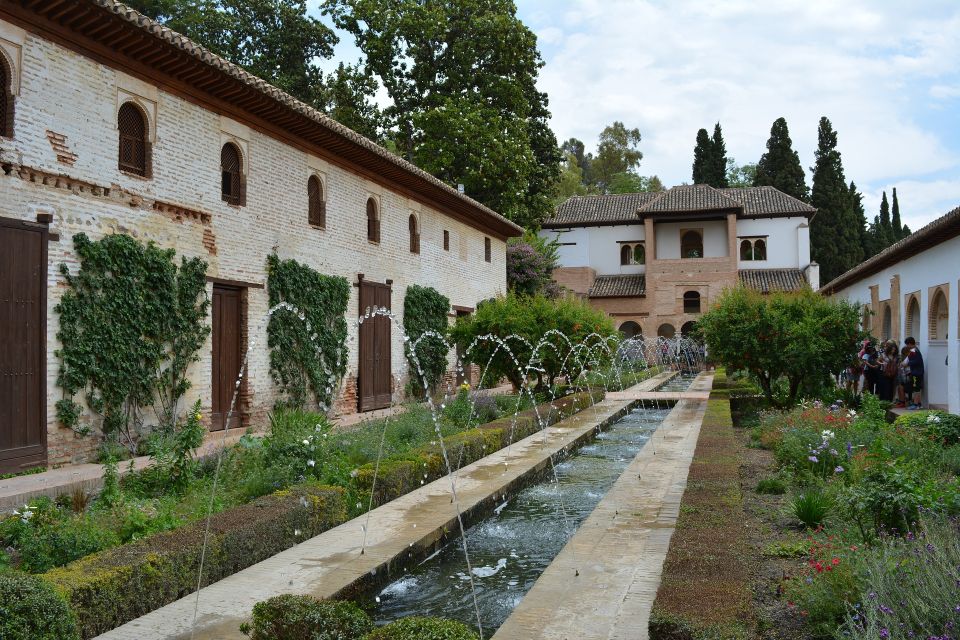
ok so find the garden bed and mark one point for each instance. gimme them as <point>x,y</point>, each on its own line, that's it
<point>310,480</point>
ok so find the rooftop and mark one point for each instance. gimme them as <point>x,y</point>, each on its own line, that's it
<point>619,286</point>
<point>767,280</point>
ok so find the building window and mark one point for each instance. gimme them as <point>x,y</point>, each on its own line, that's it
<point>939,318</point>
<point>6,99</point>
<point>232,186</point>
<point>446,240</point>
<point>753,249</point>
<point>633,254</point>
<point>487,254</point>
<point>316,203</point>
<point>134,154</point>
<point>414,234</point>
<point>373,220</point>
<point>666,331</point>
<point>691,244</point>
<point>691,302</point>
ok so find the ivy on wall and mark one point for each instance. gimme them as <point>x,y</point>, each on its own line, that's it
<point>306,359</point>
<point>425,309</point>
<point>131,323</point>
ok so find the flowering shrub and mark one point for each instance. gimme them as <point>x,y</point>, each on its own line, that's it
<point>938,426</point>
<point>530,264</point>
<point>827,585</point>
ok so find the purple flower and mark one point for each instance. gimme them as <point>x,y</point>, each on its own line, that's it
<point>839,469</point>
<point>885,609</point>
<point>813,459</point>
<point>884,633</point>
<point>849,448</point>
<point>872,595</point>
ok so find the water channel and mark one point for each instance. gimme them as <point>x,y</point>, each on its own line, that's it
<point>511,548</point>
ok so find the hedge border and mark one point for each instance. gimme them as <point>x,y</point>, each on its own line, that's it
<point>705,588</point>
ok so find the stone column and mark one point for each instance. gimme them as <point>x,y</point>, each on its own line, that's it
<point>953,351</point>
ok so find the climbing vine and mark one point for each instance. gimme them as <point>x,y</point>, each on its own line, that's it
<point>425,309</point>
<point>131,323</point>
<point>308,354</point>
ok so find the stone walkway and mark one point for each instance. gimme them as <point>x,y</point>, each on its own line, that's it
<point>603,583</point>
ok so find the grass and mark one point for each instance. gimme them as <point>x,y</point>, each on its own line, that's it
<point>705,589</point>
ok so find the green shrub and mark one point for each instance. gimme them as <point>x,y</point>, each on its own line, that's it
<point>297,617</point>
<point>112,587</point>
<point>31,610</point>
<point>773,486</point>
<point>812,507</point>
<point>417,628</point>
<point>425,310</point>
<point>63,541</point>
<point>939,426</point>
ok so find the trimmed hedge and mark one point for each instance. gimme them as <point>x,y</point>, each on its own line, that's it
<point>400,475</point>
<point>31,610</point>
<point>417,628</point>
<point>115,586</point>
<point>705,590</point>
<point>298,617</point>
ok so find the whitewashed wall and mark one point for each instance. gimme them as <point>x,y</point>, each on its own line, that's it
<point>788,242</point>
<point>714,238</point>
<point>597,247</point>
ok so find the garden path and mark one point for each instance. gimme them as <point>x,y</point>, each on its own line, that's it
<point>604,581</point>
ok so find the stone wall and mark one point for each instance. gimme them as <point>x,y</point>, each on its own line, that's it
<point>62,161</point>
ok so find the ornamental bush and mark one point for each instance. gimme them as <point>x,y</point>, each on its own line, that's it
<point>308,353</point>
<point>425,310</point>
<point>131,323</point>
<point>940,426</point>
<point>417,628</point>
<point>298,617</point>
<point>530,264</point>
<point>31,610</point>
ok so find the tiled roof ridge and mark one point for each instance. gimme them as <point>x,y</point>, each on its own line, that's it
<point>651,206</point>
<point>871,265</point>
<point>228,68</point>
<point>618,285</point>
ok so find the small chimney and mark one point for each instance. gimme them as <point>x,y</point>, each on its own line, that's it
<point>460,187</point>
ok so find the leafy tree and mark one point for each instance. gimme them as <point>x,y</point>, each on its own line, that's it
<point>718,159</point>
<point>896,224</point>
<point>702,158</point>
<point>584,160</point>
<point>462,80</point>
<point>571,181</point>
<point>836,234</point>
<point>617,153</point>
<point>348,96</point>
<point>629,182</point>
<point>523,321</point>
<point>780,166</point>
<point>800,338</point>
<point>740,176</point>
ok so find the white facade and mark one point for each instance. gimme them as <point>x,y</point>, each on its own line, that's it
<point>787,242</point>
<point>597,247</point>
<point>920,293</point>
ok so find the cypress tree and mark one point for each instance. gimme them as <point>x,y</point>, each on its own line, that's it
<point>836,233</point>
<point>885,228</point>
<point>718,160</point>
<point>859,215</point>
<point>702,158</point>
<point>896,223</point>
<point>780,166</point>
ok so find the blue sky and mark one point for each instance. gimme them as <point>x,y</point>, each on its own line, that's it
<point>887,74</point>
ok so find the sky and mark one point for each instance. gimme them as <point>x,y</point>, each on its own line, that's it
<point>886,73</point>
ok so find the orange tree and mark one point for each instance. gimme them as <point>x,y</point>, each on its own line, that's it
<point>798,338</point>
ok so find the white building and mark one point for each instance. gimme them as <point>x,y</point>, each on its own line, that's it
<point>217,164</point>
<point>910,290</point>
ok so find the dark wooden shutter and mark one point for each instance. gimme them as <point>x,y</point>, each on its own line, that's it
<point>373,221</point>
<point>446,240</point>
<point>374,377</point>
<point>6,100</point>
<point>227,355</point>
<point>23,270</point>
<point>232,184</point>
<point>414,235</point>
<point>132,127</point>
<point>487,254</point>
<point>315,204</point>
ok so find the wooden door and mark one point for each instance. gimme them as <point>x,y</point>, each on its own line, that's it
<point>226,355</point>
<point>374,380</point>
<point>23,313</point>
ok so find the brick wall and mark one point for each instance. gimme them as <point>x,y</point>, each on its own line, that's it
<point>62,161</point>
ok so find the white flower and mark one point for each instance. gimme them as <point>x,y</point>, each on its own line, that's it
<point>827,434</point>
<point>306,442</point>
<point>311,463</point>
<point>354,473</point>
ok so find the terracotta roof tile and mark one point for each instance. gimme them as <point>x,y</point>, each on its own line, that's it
<point>763,201</point>
<point>616,286</point>
<point>767,280</point>
<point>694,197</point>
<point>606,209</point>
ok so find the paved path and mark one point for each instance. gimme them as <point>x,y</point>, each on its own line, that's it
<point>330,562</point>
<point>603,583</point>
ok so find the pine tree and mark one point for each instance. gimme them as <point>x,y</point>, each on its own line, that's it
<point>836,233</point>
<point>780,166</point>
<point>896,222</point>
<point>718,160</point>
<point>702,158</point>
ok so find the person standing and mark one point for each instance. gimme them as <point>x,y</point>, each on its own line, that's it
<point>915,359</point>
<point>871,369</point>
<point>903,380</point>
<point>889,370</point>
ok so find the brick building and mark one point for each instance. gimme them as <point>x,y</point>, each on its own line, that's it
<point>655,261</point>
<point>111,123</point>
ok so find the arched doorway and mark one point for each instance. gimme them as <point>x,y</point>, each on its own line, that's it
<point>666,330</point>
<point>939,317</point>
<point>913,318</point>
<point>630,329</point>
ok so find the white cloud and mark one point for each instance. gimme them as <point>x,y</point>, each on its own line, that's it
<point>876,69</point>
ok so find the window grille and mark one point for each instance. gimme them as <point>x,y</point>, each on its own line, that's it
<point>316,204</point>
<point>373,221</point>
<point>232,186</point>
<point>134,144</point>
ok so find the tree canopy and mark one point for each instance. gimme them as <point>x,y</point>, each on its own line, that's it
<point>780,166</point>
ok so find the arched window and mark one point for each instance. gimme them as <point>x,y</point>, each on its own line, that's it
<point>639,254</point>
<point>316,203</point>
<point>625,254</point>
<point>691,244</point>
<point>414,234</point>
<point>688,328</point>
<point>760,249</point>
<point>134,155</point>
<point>666,331</point>
<point>6,99</point>
<point>373,220</point>
<point>746,250</point>
<point>691,302</point>
<point>913,317</point>
<point>232,185</point>
<point>630,329</point>
<point>939,318</point>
